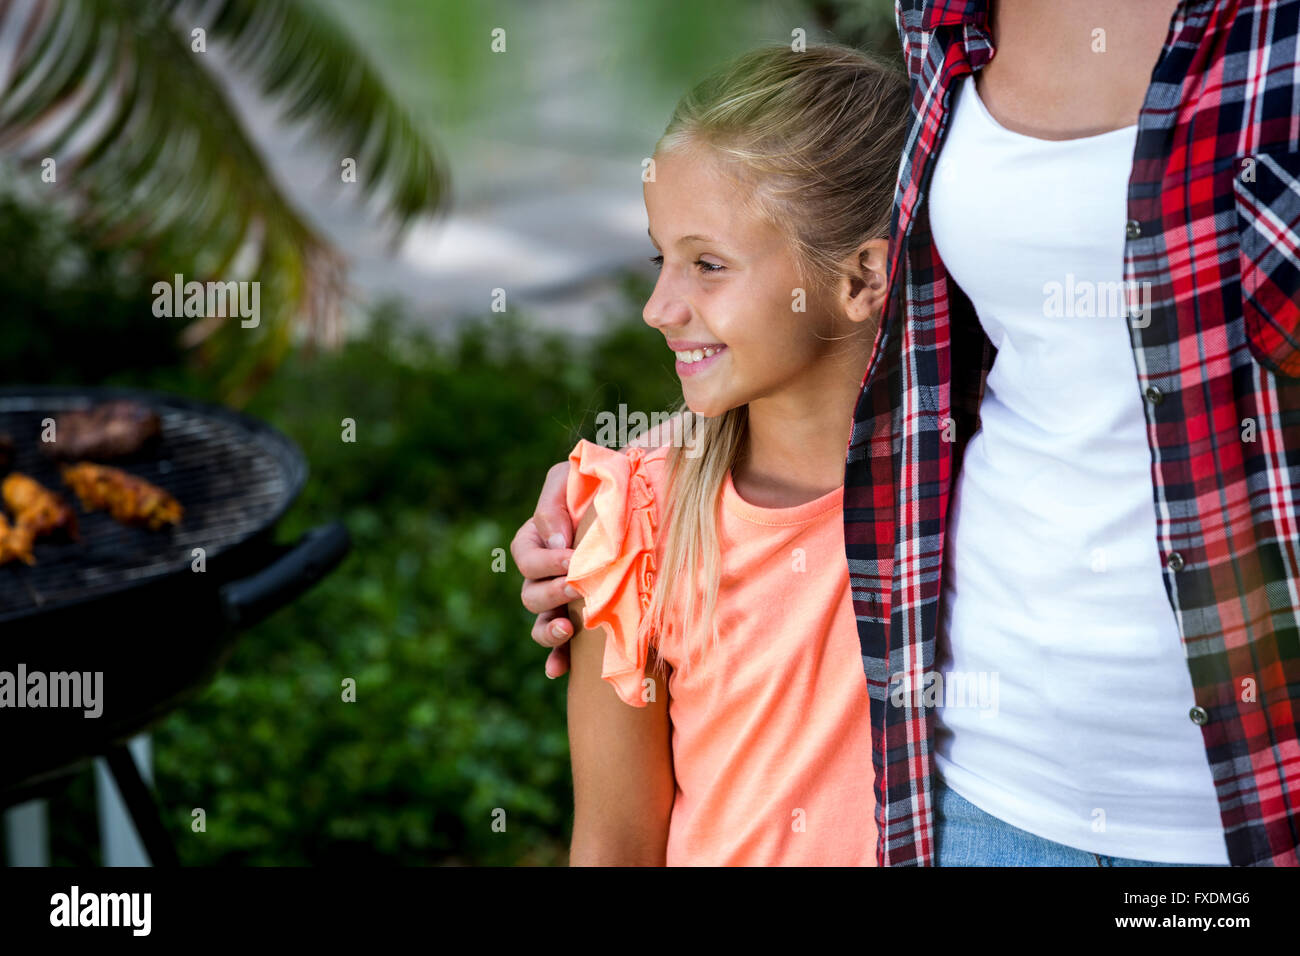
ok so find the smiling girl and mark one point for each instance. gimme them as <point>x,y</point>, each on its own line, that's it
<point>717,711</point>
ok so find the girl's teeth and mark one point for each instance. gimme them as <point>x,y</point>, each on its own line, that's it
<point>695,355</point>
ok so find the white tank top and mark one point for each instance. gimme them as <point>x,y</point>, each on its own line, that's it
<point>1052,590</point>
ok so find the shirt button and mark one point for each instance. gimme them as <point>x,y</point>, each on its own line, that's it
<point>1154,395</point>
<point>1133,229</point>
<point>1200,716</point>
<point>1175,562</point>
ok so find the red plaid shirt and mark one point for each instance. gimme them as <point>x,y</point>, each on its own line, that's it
<point>1213,227</point>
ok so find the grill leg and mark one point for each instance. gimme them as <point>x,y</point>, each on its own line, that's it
<point>27,834</point>
<point>140,804</point>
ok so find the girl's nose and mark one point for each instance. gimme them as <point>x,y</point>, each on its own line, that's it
<point>663,310</point>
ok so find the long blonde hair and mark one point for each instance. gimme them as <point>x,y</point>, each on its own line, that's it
<point>818,136</point>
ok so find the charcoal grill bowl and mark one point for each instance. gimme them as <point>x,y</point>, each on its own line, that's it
<point>158,638</point>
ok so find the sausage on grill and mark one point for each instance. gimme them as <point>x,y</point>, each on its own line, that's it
<point>116,429</point>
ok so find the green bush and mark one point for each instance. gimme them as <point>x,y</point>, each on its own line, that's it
<point>74,313</point>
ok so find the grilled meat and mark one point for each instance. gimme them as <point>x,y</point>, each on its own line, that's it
<point>15,542</point>
<point>36,508</point>
<point>116,429</point>
<point>127,499</point>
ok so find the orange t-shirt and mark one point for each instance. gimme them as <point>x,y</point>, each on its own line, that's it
<point>771,730</point>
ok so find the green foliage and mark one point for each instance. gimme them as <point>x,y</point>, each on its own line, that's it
<point>454,716</point>
<point>72,310</point>
<point>867,24</point>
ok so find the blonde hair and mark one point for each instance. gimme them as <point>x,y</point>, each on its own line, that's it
<point>817,137</point>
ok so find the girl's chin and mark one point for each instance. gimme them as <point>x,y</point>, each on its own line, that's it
<point>707,407</point>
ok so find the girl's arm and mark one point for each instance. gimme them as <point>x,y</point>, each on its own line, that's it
<point>623,785</point>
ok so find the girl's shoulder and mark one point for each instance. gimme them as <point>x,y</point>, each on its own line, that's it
<point>616,482</point>
<point>615,500</point>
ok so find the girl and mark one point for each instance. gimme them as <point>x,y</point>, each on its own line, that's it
<point>717,711</point>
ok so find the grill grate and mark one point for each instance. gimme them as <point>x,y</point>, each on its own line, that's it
<point>233,476</point>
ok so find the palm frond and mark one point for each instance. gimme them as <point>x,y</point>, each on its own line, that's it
<point>303,58</point>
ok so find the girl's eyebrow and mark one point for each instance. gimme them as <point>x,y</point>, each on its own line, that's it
<point>682,239</point>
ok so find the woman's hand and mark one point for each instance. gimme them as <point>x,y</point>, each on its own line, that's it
<point>543,546</point>
<point>541,550</point>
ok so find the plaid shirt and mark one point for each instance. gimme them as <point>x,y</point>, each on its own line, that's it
<point>1214,225</point>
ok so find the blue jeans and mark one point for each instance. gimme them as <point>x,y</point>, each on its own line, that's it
<point>967,836</point>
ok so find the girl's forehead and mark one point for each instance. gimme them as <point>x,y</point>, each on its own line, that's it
<point>698,201</point>
<point>697,162</point>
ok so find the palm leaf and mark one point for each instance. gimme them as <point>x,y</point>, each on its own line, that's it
<point>303,57</point>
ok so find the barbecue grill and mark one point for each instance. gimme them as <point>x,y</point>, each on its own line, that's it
<point>127,601</point>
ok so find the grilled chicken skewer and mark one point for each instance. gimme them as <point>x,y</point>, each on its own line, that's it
<point>15,543</point>
<point>127,499</point>
<point>36,508</point>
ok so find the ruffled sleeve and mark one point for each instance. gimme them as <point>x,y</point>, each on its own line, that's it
<point>613,566</point>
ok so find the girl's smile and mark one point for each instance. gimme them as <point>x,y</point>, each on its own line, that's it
<point>695,357</point>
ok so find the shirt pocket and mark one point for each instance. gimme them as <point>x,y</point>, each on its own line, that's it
<point>1267,196</point>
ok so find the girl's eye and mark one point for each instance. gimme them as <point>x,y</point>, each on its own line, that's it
<point>705,267</point>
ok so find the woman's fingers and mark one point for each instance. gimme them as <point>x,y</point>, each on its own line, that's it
<point>534,559</point>
<point>542,596</point>
<point>557,664</point>
<point>554,524</point>
<point>553,628</point>
<point>541,549</point>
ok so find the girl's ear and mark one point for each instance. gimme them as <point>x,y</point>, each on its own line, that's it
<point>862,289</point>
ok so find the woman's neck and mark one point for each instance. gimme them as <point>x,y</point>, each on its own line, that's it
<point>796,439</point>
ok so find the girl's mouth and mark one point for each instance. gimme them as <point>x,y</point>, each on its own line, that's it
<point>695,361</point>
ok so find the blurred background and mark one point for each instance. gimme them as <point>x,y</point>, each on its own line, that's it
<point>441,201</point>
